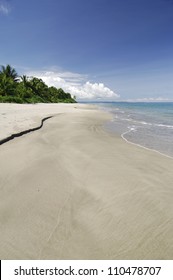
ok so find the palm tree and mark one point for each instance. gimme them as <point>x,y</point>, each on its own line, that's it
<point>9,72</point>
<point>24,79</point>
<point>39,87</point>
<point>7,86</point>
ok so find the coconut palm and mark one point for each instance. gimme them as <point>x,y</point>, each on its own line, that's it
<point>39,87</point>
<point>9,72</point>
<point>25,80</point>
<point>7,86</point>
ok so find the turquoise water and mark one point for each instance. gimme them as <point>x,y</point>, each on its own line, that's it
<point>147,124</point>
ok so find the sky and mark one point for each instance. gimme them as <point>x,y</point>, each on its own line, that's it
<point>95,49</point>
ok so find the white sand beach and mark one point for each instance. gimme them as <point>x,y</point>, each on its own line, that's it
<point>71,190</point>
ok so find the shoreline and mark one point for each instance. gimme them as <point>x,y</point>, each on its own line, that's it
<point>109,130</point>
<point>30,122</point>
<point>137,130</point>
<point>143,147</point>
<point>71,190</point>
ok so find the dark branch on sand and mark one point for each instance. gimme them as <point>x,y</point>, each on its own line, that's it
<point>15,135</point>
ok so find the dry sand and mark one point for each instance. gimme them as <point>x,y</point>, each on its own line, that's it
<point>17,117</point>
<point>73,191</point>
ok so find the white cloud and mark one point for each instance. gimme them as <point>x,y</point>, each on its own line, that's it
<point>76,84</point>
<point>94,91</point>
<point>4,7</point>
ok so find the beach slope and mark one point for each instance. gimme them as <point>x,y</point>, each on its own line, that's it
<point>71,190</point>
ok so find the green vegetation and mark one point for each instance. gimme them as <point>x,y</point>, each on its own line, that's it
<point>28,90</point>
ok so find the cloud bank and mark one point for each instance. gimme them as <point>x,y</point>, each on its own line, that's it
<point>93,91</point>
<point>150,99</point>
<point>76,84</point>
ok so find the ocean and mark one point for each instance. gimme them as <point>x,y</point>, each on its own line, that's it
<point>146,124</point>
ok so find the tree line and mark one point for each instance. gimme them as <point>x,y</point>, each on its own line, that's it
<point>23,89</point>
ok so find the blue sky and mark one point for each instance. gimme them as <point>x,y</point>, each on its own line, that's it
<point>95,49</point>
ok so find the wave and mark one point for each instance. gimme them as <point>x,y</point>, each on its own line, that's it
<point>164,125</point>
<point>144,122</point>
<point>148,126</point>
<point>141,146</point>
